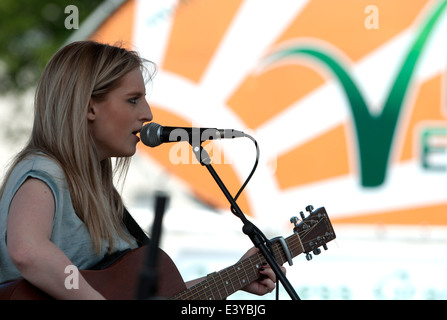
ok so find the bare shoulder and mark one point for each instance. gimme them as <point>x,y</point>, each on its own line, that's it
<point>33,201</point>
<point>30,221</point>
<point>34,188</point>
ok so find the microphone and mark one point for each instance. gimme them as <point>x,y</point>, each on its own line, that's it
<point>153,134</point>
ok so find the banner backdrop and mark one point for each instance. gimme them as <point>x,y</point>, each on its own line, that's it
<point>346,98</point>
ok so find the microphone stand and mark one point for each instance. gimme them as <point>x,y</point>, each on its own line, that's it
<point>149,274</point>
<point>248,228</point>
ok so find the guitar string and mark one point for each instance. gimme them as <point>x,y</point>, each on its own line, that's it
<point>299,239</point>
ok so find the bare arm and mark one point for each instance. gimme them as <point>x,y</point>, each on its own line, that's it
<point>42,263</point>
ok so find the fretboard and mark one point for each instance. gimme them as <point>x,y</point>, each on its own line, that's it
<point>314,231</point>
<point>219,285</point>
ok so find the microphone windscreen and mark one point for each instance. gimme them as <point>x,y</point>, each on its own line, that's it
<point>150,134</point>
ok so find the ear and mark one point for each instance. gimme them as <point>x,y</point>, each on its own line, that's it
<point>91,112</point>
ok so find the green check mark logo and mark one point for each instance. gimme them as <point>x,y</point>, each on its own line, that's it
<point>375,133</point>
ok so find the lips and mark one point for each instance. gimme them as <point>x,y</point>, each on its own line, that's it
<point>135,133</point>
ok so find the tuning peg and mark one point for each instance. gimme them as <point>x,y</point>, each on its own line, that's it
<point>294,220</point>
<point>310,208</point>
<point>325,246</point>
<point>317,251</point>
<point>302,215</point>
<point>308,256</point>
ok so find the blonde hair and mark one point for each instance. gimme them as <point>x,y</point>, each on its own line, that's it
<point>75,74</point>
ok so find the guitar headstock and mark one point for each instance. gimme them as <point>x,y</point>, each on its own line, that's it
<point>313,231</point>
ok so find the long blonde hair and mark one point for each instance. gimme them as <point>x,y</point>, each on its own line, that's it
<point>75,74</point>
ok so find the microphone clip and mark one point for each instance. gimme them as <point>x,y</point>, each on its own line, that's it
<point>201,154</point>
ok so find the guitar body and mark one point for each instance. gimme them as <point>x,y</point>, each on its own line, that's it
<point>118,282</point>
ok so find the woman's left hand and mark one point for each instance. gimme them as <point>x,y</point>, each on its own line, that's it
<point>266,283</point>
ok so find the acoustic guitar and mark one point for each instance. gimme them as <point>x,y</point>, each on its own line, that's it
<point>120,280</point>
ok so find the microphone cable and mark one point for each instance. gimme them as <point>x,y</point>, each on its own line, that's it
<point>252,170</point>
<point>259,232</point>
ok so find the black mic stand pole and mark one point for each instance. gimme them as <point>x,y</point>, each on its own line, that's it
<point>147,288</point>
<point>249,228</point>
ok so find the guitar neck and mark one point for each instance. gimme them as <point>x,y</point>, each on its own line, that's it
<point>221,284</point>
<point>313,232</point>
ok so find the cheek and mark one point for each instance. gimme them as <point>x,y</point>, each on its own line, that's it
<point>106,133</point>
<point>115,133</point>
<point>112,124</point>
<point>102,130</point>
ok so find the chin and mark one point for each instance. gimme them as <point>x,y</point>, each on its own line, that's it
<point>130,154</point>
<point>126,154</point>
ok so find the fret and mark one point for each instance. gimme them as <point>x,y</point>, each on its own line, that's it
<point>294,245</point>
<point>216,286</point>
<point>206,293</point>
<point>236,272</point>
<point>211,290</point>
<point>209,293</point>
<point>254,267</point>
<point>230,281</point>
<point>247,267</point>
<point>245,279</point>
<point>278,253</point>
<point>195,292</point>
<point>222,281</point>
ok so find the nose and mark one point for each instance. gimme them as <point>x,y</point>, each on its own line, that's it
<point>147,112</point>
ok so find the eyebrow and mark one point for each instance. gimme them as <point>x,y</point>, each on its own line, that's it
<point>136,93</point>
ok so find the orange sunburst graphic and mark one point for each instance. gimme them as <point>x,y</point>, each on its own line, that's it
<point>209,55</point>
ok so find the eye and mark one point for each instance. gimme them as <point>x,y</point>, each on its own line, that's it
<point>133,100</point>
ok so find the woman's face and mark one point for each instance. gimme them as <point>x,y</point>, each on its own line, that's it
<point>115,122</point>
